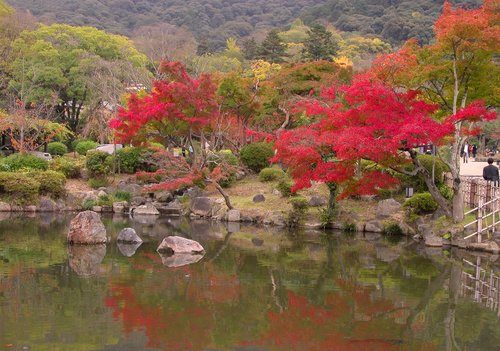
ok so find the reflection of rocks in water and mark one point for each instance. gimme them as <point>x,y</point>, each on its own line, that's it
<point>201,230</point>
<point>257,241</point>
<point>86,260</point>
<point>4,216</point>
<point>233,227</point>
<point>145,219</point>
<point>128,249</point>
<point>386,254</point>
<point>179,260</point>
<point>46,218</point>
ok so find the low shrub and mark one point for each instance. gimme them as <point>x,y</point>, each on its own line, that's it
<point>19,161</point>
<point>284,186</point>
<point>256,156</point>
<point>105,200</point>
<point>21,187</point>
<point>421,203</point>
<point>82,146</point>
<point>57,148</point>
<point>269,174</point>
<point>51,182</point>
<point>96,183</point>
<point>98,163</point>
<point>327,216</point>
<point>120,195</point>
<point>133,159</point>
<point>392,229</point>
<point>89,204</point>
<point>70,167</point>
<point>299,209</point>
<point>348,227</point>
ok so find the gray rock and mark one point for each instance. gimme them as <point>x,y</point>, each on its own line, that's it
<point>202,206</point>
<point>194,192</point>
<point>488,246</point>
<point>5,207</point>
<point>119,206</point>
<point>97,209</point>
<point>233,215</point>
<point>374,227</point>
<point>86,260</point>
<point>87,228</point>
<point>173,208</point>
<point>30,208</point>
<point>138,200</point>
<point>133,189</point>
<point>102,193</point>
<point>312,224</point>
<point>259,198</point>
<point>433,240</point>
<point>128,235</point>
<point>177,244</point>
<point>146,210</point>
<point>257,242</point>
<point>179,260</point>
<point>164,196</point>
<point>46,204</point>
<point>387,207</point>
<point>128,250</point>
<point>89,196</point>
<point>317,201</point>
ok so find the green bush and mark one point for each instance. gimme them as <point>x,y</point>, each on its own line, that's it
<point>132,159</point>
<point>51,182</point>
<point>57,148</point>
<point>298,213</point>
<point>105,200</point>
<point>417,182</point>
<point>327,215</point>
<point>284,186</point>
<point>446,191</point>
<point>421,203</point>
<point>392,229</point>
<point>19,161</point>
<point>98,163</point>
<point>120,195</point>
<point>271,173</point>
<point>21,187</point>
<point>89,204</point>
<point>348,227</point>
<point>256,156</point>
<point>83,146</point>
<point>96,183</point>
<point>70,167</point>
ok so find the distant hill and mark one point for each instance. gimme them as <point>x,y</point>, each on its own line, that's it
<point>214,21</point>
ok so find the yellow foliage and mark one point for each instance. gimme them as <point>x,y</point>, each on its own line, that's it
<point>343,61</point>
<point>262,69</point>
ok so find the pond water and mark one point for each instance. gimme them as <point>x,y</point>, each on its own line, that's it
<point>255,289</point>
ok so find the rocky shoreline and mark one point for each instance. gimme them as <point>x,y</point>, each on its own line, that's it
<point>196,204</point>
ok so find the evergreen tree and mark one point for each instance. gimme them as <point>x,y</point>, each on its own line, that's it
<point>272,48</point>
<point>250,49</point>
<point>320,44</point>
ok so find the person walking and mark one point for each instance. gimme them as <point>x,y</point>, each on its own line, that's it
<point>490,172</point>
<point>474,151</point>
<point>466,153</point>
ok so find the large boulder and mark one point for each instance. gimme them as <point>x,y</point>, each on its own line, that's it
<point>128,235</point>
<point>233,215</point>
<point>387,207</point>
<point>87,228</point>
<point>164,196</point>
<point>259,198</point>
<point>133,189</point>
<point>146,210</point>
<point>177,245</point>
<point>374,227</point>
<point>46,204</point>
<point>202,206</point>
<point>317,201</point>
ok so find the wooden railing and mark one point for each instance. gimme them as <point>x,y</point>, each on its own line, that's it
<point>482,286</point>
<point>487,218</point>
<point>476,189</point>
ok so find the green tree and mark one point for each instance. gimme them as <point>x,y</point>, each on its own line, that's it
<point>68,67</point>
<point>320,44</point>
<point>272,48</point>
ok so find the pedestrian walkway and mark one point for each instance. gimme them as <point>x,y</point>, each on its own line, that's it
<point>472,168</point>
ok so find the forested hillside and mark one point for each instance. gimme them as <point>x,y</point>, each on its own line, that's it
<point>215,20</point>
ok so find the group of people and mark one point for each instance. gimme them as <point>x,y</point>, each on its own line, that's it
<point>469,149</point>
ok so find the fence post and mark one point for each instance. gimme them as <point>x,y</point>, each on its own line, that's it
<point>479,220</point>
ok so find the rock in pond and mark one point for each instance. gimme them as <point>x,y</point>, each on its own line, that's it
<point>129,236</point>
<point>179,260</point>
<point>87,228</point>
<point>86,260</point>
<point>177,244</point>
<point>146,210</point>
<point>259,198</point>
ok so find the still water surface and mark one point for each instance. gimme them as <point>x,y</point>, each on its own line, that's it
<point>255,289</point>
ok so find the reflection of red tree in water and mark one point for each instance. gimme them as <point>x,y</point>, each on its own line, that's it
<point>335,326</point>
<point>170,327</point>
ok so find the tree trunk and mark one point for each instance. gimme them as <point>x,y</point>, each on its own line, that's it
<point>224,194</point>
<point>332,200</point>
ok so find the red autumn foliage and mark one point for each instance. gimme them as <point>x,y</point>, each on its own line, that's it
<point>373,123</point>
